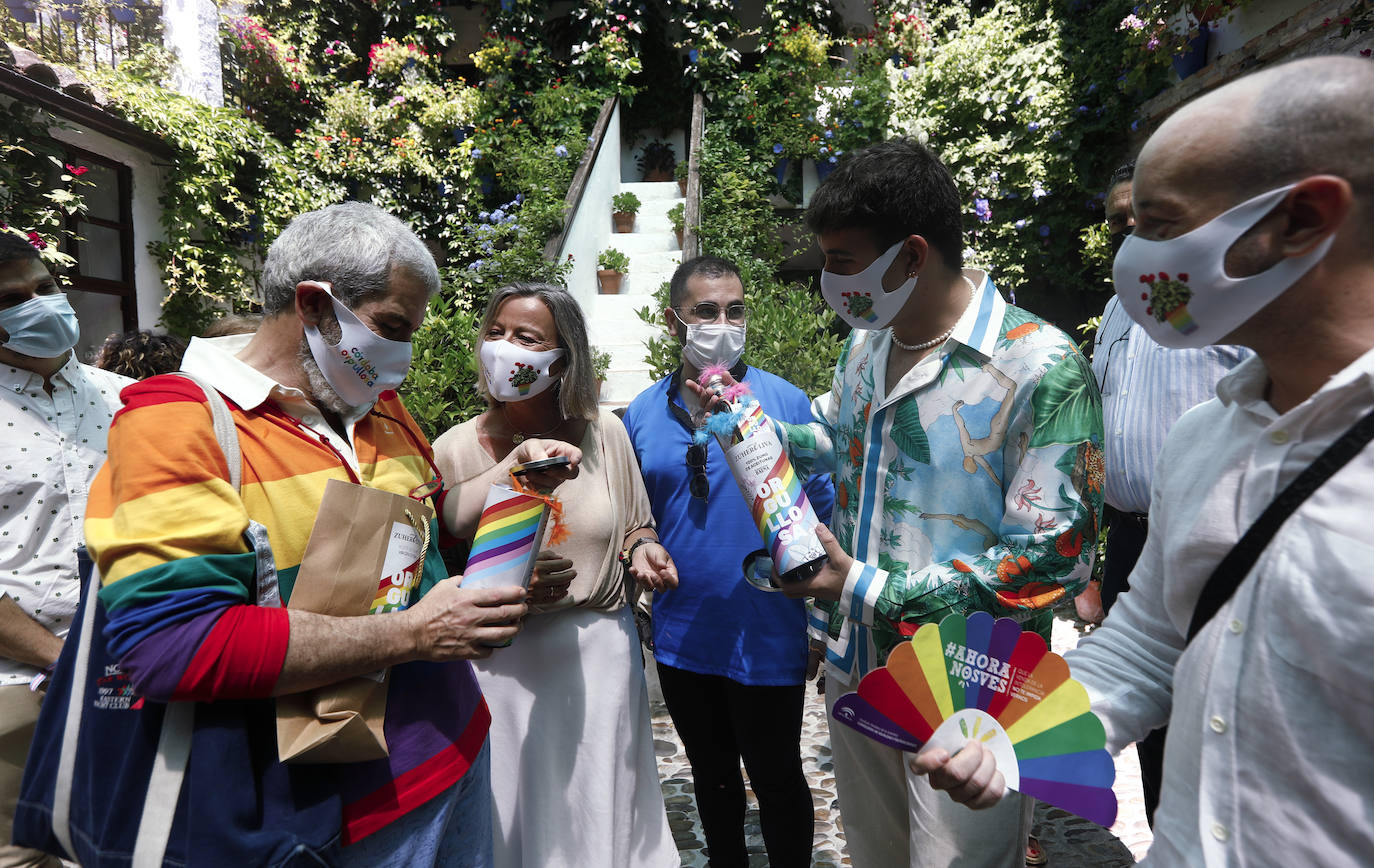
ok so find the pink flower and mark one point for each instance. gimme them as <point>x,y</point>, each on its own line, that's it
<point>37,241</point>
<point>77,171</point>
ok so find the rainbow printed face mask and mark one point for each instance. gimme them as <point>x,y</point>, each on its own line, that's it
<point>514,373</point>
<point>1178,290</point>
<point>363,364</point>
<point>860,299</point>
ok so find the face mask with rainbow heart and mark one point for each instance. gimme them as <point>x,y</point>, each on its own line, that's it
<point>1178,289</point>
<point>514,373</point>
<point>860,299</point>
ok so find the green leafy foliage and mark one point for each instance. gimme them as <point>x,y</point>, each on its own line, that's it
<point>232,188</point>
<point>626,202</point>
<point>611,259</point>
<point>38,190</point>
<point>1028,106</point>
<point>790,329</point>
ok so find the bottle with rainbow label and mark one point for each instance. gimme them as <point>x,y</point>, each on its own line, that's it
<point>777,501</point>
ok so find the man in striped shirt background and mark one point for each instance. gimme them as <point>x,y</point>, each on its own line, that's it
<point>1145,389</point>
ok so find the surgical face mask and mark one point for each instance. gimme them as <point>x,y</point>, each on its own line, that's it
<point>43,327</point>
<point>708,344</point>
<point>1178,289</point>
<point>514,373</point>
<point>363,364</point>
<point>860,299</point>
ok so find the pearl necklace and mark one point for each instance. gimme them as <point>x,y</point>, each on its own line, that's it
<point>916,348</point>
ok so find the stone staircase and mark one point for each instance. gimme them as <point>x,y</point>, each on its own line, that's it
<point>654,255</point>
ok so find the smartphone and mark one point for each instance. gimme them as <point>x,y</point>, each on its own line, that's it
<point>542,464</point>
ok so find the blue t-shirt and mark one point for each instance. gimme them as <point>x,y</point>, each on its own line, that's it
<point>716,623</point>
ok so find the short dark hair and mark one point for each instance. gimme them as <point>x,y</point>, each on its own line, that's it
<point>15,248</point>
<point>1123,173</point>
<point>891,190</point>
<point>710,267</point>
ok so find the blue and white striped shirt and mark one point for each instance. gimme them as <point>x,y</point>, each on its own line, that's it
<point>1145,388</point>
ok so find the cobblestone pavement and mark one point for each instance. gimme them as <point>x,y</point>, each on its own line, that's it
<point>1070,841</point>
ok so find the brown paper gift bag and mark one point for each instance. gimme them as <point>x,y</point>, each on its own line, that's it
<point>365,555</point>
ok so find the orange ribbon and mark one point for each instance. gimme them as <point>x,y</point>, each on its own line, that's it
<point>558,531</point>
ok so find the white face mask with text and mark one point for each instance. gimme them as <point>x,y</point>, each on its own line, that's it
<point>363,364</point>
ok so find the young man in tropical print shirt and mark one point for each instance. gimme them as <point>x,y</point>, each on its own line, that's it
<point>965,437</point>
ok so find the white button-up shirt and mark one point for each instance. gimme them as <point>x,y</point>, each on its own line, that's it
<point>50,448</point>
<point>1270,758</point>
<point>1145,389</point>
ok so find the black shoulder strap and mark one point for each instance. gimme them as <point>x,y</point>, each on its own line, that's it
<point>1241,559</point>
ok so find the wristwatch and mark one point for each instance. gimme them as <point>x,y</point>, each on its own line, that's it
<point>627,554</point>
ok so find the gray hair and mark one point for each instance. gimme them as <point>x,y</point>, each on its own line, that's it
<point>353,246</point>
<point>577,393</point>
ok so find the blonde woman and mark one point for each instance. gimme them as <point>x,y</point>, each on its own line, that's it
<point>574,779</point>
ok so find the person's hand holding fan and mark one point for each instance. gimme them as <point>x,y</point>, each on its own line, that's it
<point>984,680</point>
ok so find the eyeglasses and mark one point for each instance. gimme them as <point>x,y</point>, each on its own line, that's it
<point>699,486</point>
<point>709,311</point>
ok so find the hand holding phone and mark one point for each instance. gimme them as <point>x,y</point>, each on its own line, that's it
<point>545,464</point>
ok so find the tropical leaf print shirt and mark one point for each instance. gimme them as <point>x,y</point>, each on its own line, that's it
<point>976,485</point>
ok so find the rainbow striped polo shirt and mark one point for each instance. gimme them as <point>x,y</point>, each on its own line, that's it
<point>165,527</point>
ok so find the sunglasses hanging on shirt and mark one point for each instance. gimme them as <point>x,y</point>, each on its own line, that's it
<point>699,485</point>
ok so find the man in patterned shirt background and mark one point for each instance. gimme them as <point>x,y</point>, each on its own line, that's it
<point>965,438</point>
<point>54,415</point>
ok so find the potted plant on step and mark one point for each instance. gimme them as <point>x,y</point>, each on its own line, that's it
<point>612,266</point>
<point>656,161</point>
<point>601,364</point>
<point>624,206</point>
<point>677,215</point>
<point>680,175</point>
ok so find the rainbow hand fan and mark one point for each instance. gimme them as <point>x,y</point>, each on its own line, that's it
<point>976,678</point>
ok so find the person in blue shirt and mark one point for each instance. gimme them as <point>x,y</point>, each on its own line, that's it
<point>732,659</point>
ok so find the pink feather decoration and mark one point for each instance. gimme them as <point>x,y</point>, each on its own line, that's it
<point>735,392</point>
<point>713,371</point>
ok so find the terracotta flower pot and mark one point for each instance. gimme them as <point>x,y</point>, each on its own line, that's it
<point>624,221</point>
<point>678,233</point>
<point>609,281</point>
<point>659,175</point>
<point>682,186</point>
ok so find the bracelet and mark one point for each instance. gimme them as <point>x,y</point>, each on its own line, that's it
<point>36,683</point>
<point>627,554</point>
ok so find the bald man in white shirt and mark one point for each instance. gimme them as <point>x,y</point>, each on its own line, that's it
<point>1270,706</point>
